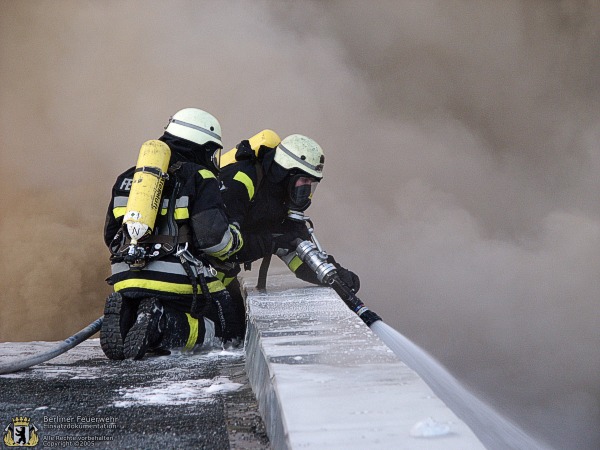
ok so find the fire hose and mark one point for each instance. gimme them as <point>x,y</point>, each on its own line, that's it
<point>315,257</point>
<point>59,349</point>
<point>309,252</point>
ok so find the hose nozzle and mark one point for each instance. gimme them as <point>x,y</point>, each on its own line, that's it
<point>326,273</point>
<point>317,260</point>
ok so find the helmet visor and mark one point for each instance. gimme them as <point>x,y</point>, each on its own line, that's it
<point>216,158</point>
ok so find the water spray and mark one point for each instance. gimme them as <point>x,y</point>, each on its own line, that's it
<point>494,430</point>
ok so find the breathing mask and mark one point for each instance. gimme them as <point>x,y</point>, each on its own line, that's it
<point>300,191</point>
<point>215,158</point>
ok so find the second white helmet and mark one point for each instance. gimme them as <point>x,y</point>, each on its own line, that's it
<point>195,125</point>
<point>300,152</point>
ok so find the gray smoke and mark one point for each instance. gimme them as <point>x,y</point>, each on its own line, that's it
<point>461,144</point>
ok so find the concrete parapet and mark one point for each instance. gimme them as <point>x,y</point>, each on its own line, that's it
<point>324,380</point>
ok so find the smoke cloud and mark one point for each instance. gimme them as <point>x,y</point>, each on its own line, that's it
<point>461,181</point>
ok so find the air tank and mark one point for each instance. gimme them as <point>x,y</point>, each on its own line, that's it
<point>146,189</point>
<point>268,138</point>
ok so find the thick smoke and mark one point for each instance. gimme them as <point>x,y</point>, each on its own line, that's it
<point>461,145</point>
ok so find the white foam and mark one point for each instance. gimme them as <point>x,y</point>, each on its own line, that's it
<point>429,428</point>
<point>176,392</point>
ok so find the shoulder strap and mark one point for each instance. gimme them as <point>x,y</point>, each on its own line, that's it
<point>262,272</point>
<point>260,172</point>
<point>175,167</point>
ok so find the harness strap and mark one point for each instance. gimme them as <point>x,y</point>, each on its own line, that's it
<point>184,235</point>
<point>195,311</point>
<point>153,170</point>
<point>222,320</point>
<point>262,272</point>
<point>166,239</point>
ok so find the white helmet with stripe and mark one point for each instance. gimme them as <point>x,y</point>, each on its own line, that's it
<point>300,152</point>
<point>195,125</point>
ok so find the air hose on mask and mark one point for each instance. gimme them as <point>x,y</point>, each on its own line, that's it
<point>311,253</point>
<point>59,349</point>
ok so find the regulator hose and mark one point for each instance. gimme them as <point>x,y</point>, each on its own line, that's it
<point>59,349</point>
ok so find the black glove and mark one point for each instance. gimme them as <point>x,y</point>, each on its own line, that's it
<point>295,226</point>
<point>286,235</point>
<point>348,277</point>
<point>283,243</point>
<point>116,242</point>
<point>244,151</point>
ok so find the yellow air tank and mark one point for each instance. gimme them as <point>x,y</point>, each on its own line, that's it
<point>267,138</point>
<point>146,190</point>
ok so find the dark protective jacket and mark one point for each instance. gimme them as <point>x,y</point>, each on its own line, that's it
<point>254,192</point>
<point>198,207</point>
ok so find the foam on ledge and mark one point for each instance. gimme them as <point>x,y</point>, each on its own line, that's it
<point>324,380</point>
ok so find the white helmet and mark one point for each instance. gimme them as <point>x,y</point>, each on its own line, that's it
<point>195,125</point>
<point>300,152</point>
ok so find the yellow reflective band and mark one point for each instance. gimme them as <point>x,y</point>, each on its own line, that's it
<point>246,181</point>
<point>224,251</point>
<point>119,211</point>
<point>228,250</point>
<point>239,235</point>
<point>164,286</point>
<point>223,279</point>
<point>205,173</point>
<point>182,213</point>
<point>193,337</point>
<point>294,263</point>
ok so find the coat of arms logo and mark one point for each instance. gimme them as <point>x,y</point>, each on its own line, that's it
<point>21,433</point>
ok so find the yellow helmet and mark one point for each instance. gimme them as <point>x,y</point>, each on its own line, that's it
<point>300,152</point>
<point>195,125</point>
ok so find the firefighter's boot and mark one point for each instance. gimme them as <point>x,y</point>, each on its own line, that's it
<point>146,330</point>
<point>119,315</point>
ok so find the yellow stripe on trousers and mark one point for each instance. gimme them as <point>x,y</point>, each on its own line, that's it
<point>193,337</point>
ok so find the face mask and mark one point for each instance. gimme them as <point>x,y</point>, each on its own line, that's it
<point>300,192</point>
<point>215,159</point>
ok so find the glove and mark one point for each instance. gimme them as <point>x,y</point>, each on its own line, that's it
<point>348,277</point>
<point>116,242</point>
<point>286,235</point>
<point>284,243</point>
<point>244,151</point>
<point>295,226</point>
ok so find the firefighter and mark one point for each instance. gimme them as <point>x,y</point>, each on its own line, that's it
<point>266,191</point>
<point>166,295</point>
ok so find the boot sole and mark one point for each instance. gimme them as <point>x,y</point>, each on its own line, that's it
<point>136,341</point>
<point>111,340</point>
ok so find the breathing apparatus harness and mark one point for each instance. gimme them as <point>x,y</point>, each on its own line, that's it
<point>175,242</point>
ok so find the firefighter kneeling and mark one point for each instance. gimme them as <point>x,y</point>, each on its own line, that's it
<point>165,217</point>
<point>267,185</point>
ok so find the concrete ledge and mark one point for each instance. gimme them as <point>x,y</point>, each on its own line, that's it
<point>324,380</point>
